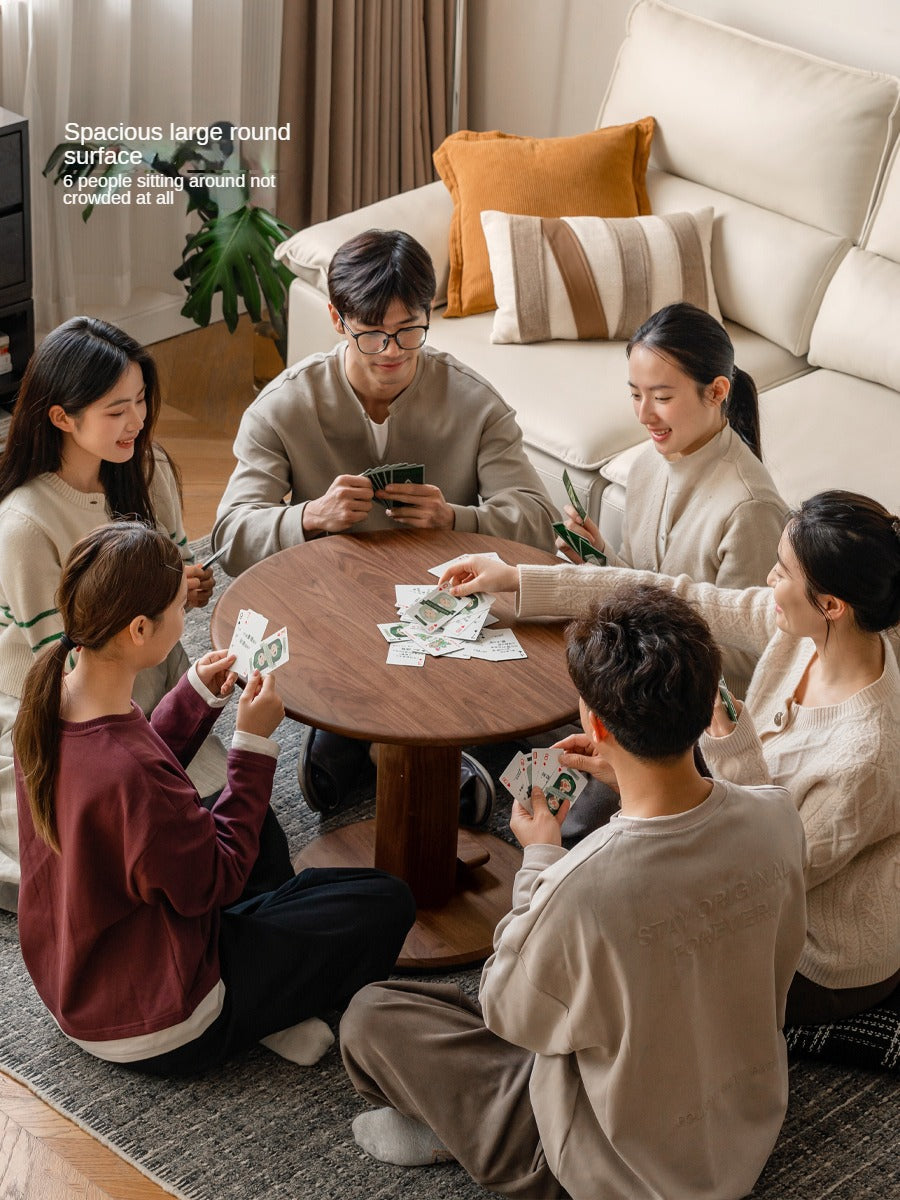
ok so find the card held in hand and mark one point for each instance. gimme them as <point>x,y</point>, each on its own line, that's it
<point>582,547</point>
<point>574,499</point>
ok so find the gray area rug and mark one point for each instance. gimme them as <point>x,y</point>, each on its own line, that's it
<point>262,1128</point>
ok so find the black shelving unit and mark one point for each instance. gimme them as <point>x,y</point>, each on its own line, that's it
<point>16,305</point>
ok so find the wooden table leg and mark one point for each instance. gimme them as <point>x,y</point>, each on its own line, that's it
<point>417,818</point>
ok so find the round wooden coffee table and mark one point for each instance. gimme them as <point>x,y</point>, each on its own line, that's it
<point>331,594</point>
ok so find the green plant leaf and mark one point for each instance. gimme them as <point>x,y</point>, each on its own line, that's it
<point>232,255</point>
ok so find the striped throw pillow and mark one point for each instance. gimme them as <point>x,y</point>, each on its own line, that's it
<point>577,278</point>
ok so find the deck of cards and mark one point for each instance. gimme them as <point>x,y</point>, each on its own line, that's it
<point>381,476</point>
<point>254,651</point>
<point>541,769</point>
<point>432,622</point>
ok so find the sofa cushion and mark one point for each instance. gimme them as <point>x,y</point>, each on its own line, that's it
<point>775,127</point>
<point>829,430</point>
<point>593,174</point>
<point>578,278</point>
<point>770,271</point>
<point>856,328</point>
<point>423,212</point>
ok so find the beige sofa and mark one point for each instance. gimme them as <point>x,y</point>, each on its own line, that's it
<point>794,155</point>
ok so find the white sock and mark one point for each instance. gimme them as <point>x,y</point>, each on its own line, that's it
<point>393,1138</point>
<point>303,1044</point>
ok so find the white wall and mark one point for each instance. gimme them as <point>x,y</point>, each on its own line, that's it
<point>541,67</point>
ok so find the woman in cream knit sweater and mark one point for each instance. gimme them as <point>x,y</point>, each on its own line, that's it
<point>821,718</point>
<point>700,501</point>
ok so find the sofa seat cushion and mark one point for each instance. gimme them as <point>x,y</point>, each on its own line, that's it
<point>830,430</point>
<point>571,398</point>
<point>600,173</point>
<point>582,278</point>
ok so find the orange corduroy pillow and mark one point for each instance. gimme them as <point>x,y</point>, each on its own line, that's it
<point>596,174</point>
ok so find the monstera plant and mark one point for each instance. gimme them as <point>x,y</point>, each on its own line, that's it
<point>232,251</point>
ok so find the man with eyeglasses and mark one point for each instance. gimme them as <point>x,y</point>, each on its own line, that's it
<point>382,395</point>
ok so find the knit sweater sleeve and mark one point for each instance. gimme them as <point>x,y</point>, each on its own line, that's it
<point>749,544</point>
<point>252,512</point>
<point>738,755</point>
<point>743,618</point>
<point>29,569</point>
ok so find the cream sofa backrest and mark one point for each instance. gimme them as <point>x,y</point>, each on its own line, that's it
<point>856,330</point>
<point>761,132</point>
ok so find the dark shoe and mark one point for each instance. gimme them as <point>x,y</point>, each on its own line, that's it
<point>331,769</point>
<point>476,793</point>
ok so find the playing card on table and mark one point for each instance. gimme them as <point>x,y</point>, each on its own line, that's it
<point>573,495</point>
<point>442,567</point>
<point>434,644</point>
<point>580,545</point>
<point>272,652</point>
<point>497,645</point>
<point>470,618</point>
<point>410,593</point>
<point>405,654</point>
<point>249,631</point>
<point>393,631</point>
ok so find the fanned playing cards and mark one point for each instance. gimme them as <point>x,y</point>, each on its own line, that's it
<point>254,651</point>
<point>541,768</point>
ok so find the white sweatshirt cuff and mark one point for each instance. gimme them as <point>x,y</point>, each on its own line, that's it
<point>255,743</point>
<point>202,690</point>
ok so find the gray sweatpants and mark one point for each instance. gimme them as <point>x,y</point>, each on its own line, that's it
<point>424,1050</point>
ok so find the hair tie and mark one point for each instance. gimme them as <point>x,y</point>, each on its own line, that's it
<point>67,642</point>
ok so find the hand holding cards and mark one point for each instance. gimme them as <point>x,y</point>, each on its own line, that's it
<point>254,651</point>
<point>380,477</point>
<point>541,768</point>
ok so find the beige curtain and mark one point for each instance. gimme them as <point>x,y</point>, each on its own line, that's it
<point>367,88</point>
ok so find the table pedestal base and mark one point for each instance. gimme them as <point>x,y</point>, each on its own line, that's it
<point>461,930</point>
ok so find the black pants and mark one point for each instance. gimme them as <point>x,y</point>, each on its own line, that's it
<point>294,953</point>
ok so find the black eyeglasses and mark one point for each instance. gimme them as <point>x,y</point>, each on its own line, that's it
<point>375,341</point>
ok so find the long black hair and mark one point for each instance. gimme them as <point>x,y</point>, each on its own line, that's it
<point>700,346</point>
<point>76,364</point>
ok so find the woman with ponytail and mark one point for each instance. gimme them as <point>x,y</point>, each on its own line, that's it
<point>699,500</point>
<point>134,919</point>
<point>80,452</point>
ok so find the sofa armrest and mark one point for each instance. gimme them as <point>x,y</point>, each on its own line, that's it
<point>424,212</point>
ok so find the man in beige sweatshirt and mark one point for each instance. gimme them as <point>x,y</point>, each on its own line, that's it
<point>628,1040</point>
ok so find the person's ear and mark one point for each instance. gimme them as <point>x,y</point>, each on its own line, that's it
<point>717,392</point>
<point>336,319</point>
<point>60,418</point>
<point>140,628</point>
<point>832,607</point>
<point>598,729</point>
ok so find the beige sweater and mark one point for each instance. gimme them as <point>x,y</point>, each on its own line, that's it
<point>714,515</point>
<point>647,971</point>
<point>307,427</point>
<point>841,764</point>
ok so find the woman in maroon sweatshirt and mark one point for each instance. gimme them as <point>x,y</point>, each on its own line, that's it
<point>131,917</point>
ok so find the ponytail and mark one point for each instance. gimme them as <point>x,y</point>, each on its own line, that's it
<point>114,574</point>
<point>36,737</point>
<point>741,410</point>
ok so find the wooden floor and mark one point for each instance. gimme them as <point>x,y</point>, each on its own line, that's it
<point>206,381</point>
